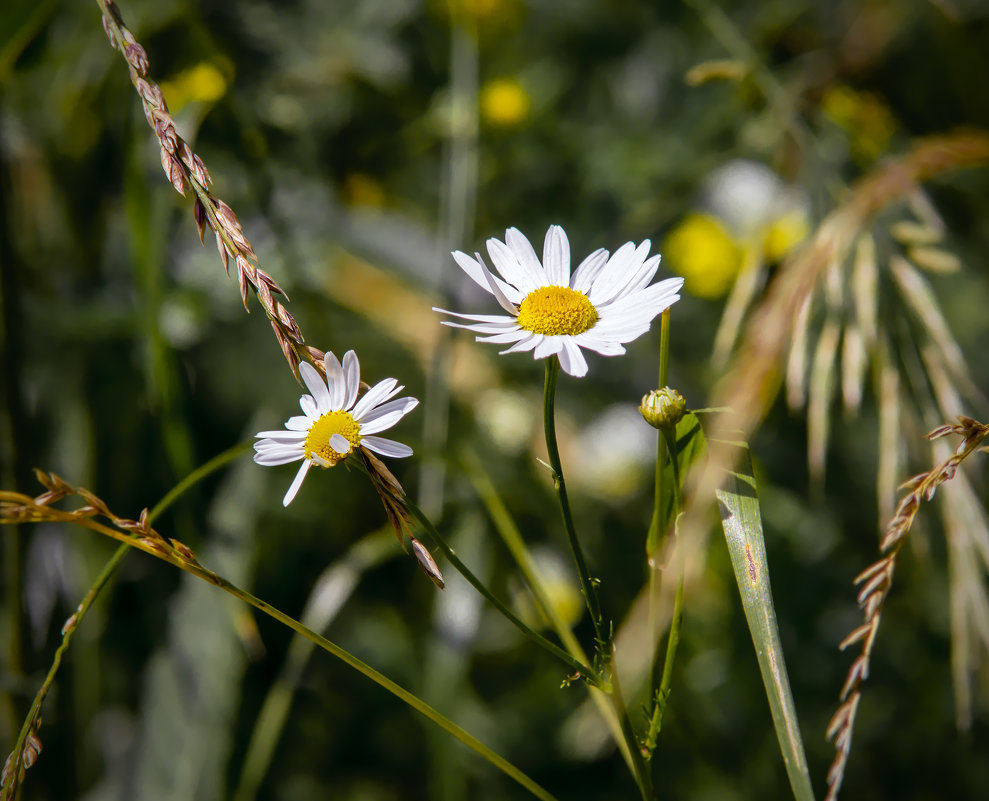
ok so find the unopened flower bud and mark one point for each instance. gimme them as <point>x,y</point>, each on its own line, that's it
<point>663,408</point>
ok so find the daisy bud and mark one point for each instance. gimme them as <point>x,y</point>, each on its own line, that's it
<point>663,408</point>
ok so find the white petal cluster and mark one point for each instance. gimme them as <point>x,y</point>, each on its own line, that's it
<point>374,412</point>
<point>618,287</point>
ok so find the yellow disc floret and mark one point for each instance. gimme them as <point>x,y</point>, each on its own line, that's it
<point>317,447</point>
<point>555,310</point>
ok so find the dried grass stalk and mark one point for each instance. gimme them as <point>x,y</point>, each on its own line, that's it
<point>750,386</point>
<point>184,168</point>
<point>875,583</point>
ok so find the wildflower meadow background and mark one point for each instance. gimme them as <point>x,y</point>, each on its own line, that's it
<point>814,171</point>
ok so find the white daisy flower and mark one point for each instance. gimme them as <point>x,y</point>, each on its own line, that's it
<point>604,304</point>
<point>335,423</point>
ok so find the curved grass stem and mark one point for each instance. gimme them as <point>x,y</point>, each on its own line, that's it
<point>11,780</point>
<point>585,670</point>
<point>176,554</point>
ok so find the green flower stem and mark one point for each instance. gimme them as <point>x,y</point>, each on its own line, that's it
<point>586,584</point>
<point>194,568</point>
<point>604,644</point>
<point>654,537</point>
<point>591,675</point>
<point>663,694</point>
<point>76,619</point>
<point>512,537</point>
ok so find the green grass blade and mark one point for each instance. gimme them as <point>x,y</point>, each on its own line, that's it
<point>742,523</point>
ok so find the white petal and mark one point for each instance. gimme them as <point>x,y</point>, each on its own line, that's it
<point>495,289</point>
<point>550,346</point>
<point>316,386</point>
<point>571,359</point>
<point>379,393</point>
<point>296,482</point>
<point>644,304</point>
<point>308,405</point>
<point>619,272</point>
<point>507,263</point>
<point>488,328</point>
<point>281,435</point>
<point>386,447</point>
<point>340,443</point>
<point>386,415</point>
<point>556,256</point>
<point>642,276</point>
<point>476,269</point>
<point>480,318</point>
<point>526,255</point>
<point>524,345</point>
<point>588,270</point>
<point>275,459</point>
<point>335,381</point>
<point>505,336</point>
<point>602,345</point>
<point>352,376</point>
<point>298,423</point>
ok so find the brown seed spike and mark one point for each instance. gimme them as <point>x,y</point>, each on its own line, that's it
<point>223,252</point>
<point>427,563</point>
<point>137,58</point>
<point>244,288</point>
<point>199,214</point>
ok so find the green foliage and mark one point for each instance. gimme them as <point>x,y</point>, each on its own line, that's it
<point>358,144</point>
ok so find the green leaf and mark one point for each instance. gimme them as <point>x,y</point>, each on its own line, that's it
<point>691,448</point>
<point>742,524</point>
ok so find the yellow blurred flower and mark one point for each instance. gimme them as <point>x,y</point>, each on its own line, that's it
<point>864,116</point>
<point>702,250</point>
<point>202,83</point>
<point>477,9</point>
<point>784,233</point>
<point>504,102</point>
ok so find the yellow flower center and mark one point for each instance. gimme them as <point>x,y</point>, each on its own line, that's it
<point>317,447</point>
<point>554,310</point>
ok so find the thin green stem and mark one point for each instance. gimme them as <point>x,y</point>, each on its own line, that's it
<point>604,643</point>
<point>512,537</point>
<point>586,583</point>
<point>591,675</point>
<point>640,771</point>
<point>654,537</point>
<point>663,693</point>
<point>197,570</point>
<point>198,475</point>
<point>76,619</point>
<point>32,719</point>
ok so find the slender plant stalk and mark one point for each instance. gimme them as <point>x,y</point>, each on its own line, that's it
<point>457,206</point>
<point>477,584</point>
<point>654,536</point>
<point>559,483</point>
<point>139,534</point>
<point>329,594</point>
<point>603,643</point>
<point>512,537</point>
<point>663,693</point>
<point>11,777</point>
<point>16,763</point>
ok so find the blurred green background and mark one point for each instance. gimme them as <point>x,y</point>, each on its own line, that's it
<point>359,143</point>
